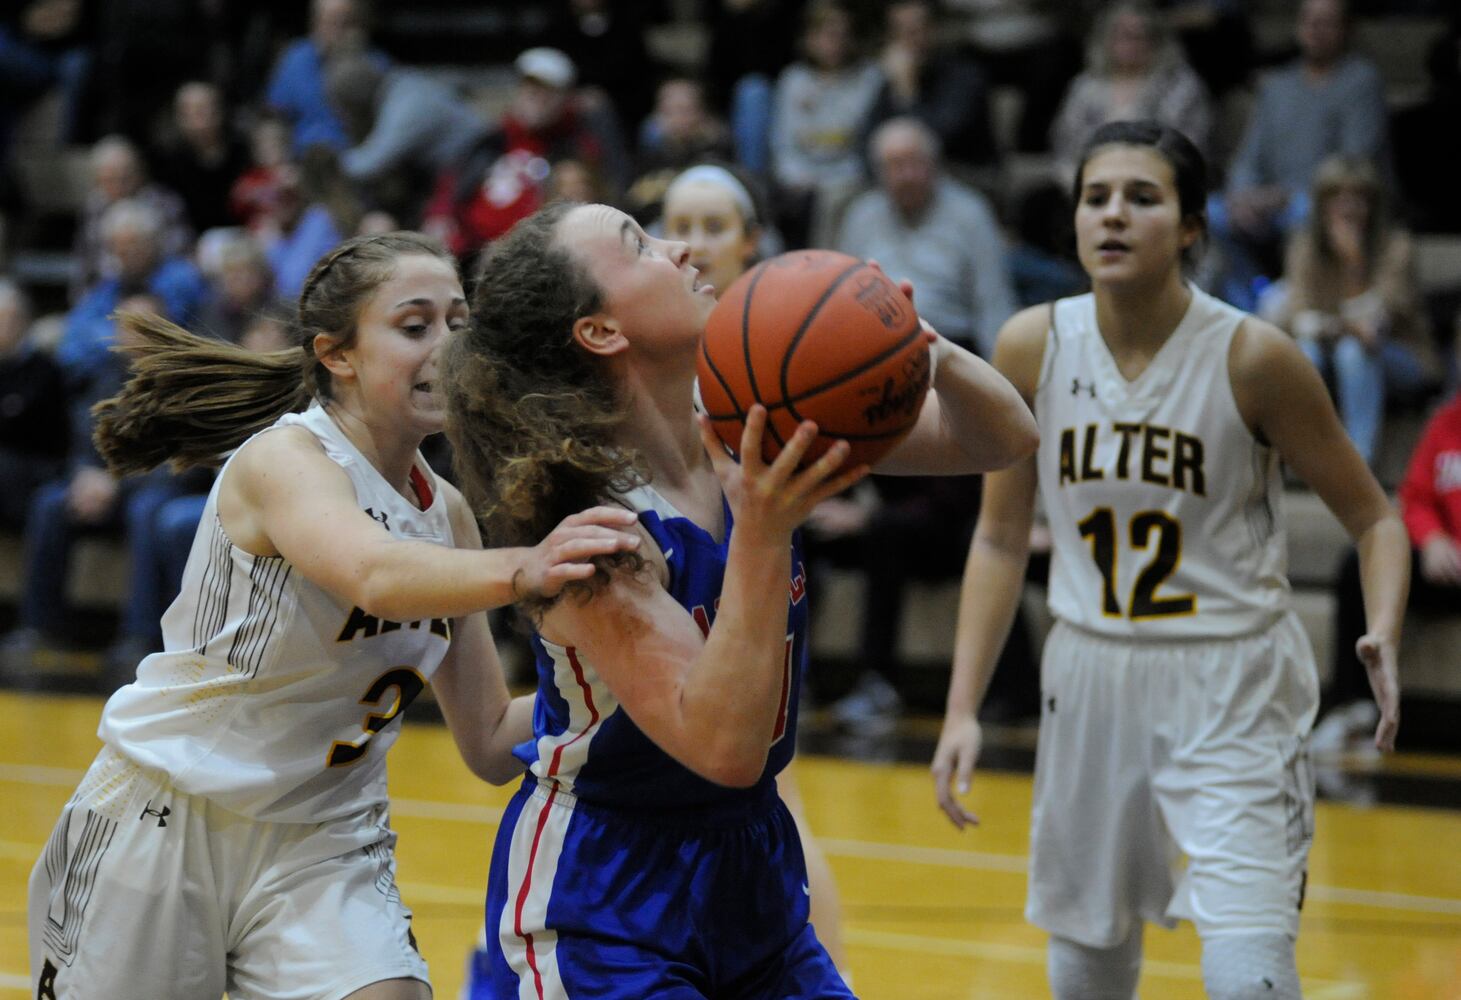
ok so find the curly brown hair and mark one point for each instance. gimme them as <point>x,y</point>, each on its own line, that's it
<point>191,400</point>
<point>531,416</point>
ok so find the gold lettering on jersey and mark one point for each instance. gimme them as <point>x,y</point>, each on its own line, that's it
<point>1067,456</point>
<point>1088,470</point>
<point>1123,457</point>
<point>1158,455</point>
<point>365,626</point>
<point>1154,450</point>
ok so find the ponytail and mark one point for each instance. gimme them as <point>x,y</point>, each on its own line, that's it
<point>192,400</point>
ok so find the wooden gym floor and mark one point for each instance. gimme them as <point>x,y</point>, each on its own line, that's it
<point>929,914</point>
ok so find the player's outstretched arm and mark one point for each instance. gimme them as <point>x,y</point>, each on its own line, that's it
<point>973,420</point>
<point>994,577</point>
<point>1285,403</point>
<point>283,496</point>
<point>712,701</point>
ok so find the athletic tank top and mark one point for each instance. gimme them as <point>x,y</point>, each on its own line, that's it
<point>272,697</point>
<point>1165,510</point>
<point>585,741</point>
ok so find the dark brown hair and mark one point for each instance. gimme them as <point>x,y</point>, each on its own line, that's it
<point>191,400</point>
<point>531,416</point>
<point>1189,169</point>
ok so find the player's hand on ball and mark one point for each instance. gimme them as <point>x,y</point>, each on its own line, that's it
<point>953,763</point>
<point>773,499</point>
<point>1379,657</point>
<point>568,552</point>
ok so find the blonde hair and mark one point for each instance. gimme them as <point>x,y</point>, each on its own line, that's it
<point>1347,173</point>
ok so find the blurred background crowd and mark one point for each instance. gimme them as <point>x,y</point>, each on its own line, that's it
<point>195,157</point>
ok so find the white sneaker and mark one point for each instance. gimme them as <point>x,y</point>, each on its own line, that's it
<point>1346,729</point>
<point>1330,735</point>
<point>871,708</point>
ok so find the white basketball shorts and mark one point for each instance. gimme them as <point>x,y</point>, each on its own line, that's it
<point>144,892</point>
<point>1152,751</point>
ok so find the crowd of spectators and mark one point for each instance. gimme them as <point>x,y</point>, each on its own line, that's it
<point>231,145</point>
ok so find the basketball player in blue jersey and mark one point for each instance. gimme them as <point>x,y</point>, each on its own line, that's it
<point>1179,687</point>
<point>647,853</point>
<point>232,835</point>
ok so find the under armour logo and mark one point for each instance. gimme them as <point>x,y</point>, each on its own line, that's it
<point>1077,387</point>
<point>46,985</point>
<point>161,815</point>
<point>381,517</point>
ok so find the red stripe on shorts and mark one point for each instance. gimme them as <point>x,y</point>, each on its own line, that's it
<point>522,893</point>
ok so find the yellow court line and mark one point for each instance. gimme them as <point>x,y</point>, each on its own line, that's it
<point>462,812</point>
<point>910,854</point>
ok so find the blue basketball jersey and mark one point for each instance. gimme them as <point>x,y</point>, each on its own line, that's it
<point>584,741</point>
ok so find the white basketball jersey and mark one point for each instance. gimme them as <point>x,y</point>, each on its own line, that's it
<point>273,698</point>
<point>1164,509</point>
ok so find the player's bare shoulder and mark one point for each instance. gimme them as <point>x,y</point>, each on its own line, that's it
<point>261,466</point>
<point>1264,366</point>
<point>1019,351</point>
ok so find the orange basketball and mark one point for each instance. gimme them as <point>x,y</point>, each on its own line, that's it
<point>815,335</point>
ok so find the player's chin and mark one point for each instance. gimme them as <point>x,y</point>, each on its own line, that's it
<point>429,417</point>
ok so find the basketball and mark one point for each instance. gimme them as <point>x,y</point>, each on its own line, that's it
<point>815,335</point>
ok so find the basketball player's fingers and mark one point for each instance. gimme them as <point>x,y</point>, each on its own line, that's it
<point>784,468</point>
<point>821,467</point>
<point>751,435</point>
<point>588,546</point>
<point>563,571</point>
<point>953,808</point>
<point>941,792</point>
<point>1379,660</point>
<point>602,514</point>
<point>1386,732</point>
<point>837,484</point>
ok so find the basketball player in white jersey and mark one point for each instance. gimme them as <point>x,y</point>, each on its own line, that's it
<point>233,833</point>
<point>1178,686</point>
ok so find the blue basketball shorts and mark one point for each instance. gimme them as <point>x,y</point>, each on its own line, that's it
<point>586,901</point>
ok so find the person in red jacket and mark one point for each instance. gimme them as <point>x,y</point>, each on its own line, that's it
<point>1430,503</point>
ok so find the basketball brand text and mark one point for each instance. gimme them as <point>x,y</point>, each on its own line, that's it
<point>901,394</point>
<point>878,297</point>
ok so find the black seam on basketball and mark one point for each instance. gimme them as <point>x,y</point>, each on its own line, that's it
<point>746,334</point>
<point>725,387</point>
<point>848,376</point>
<point>796,338</point>
<point>746,351</point>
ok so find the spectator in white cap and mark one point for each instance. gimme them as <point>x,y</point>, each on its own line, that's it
<point>549,67</point>
<point>504,177</point>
